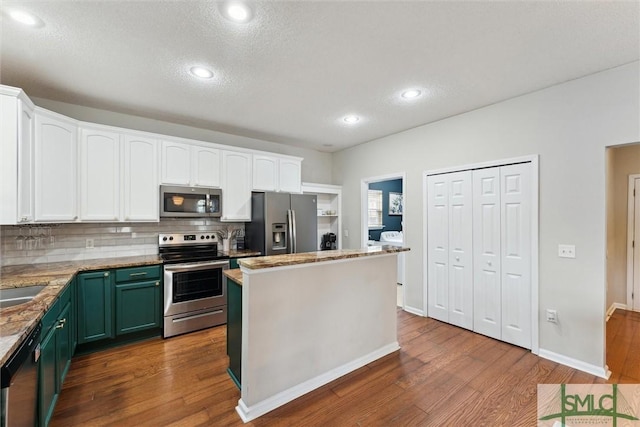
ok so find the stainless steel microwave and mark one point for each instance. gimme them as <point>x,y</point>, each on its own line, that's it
<point>194,202</point>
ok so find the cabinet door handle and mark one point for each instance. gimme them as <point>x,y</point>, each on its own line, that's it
<point>106,274</point>
<point>63,321</point>
<point>60,326</point>
<point>157,283</point>
<point>144,273</point>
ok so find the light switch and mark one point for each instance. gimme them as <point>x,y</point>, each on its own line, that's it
<point>567,251</point>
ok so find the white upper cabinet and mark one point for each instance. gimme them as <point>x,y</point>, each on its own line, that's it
<point>290,176</point>
<point>236,186</point>
<point>99,174</point>
<point>265,173</point>
<point>26,145</point>
<point>205,166</point>
<point>16,156</point>
<point>140,179</point>
<point>190,164</point>
<point>273,173</point>
<point>176,163</point>
<point>55,167</point>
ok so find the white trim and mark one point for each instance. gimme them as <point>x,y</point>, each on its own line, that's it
<point>602,372</point>
<point>489,164</point>
<point>630,225</point>
<point>535,278</point>
<point>316,188</point>
<point>248,413</point>
<point>614,307</point>
<point>364,217</point>
<point>415,311</point>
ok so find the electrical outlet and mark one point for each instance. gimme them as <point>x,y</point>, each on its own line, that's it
<point>346,233</point>
<point>567,251</point>
<point>89,244</point>
<point>552,316</point>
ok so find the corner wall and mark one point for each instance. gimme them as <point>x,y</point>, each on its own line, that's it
<point>569,126</point>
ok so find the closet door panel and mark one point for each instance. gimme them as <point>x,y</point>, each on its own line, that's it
<point>486,252</point>
<point>460,249</point>
<point>516,253</point>
<point>438,247</point>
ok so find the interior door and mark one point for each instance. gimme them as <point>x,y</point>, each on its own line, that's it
<point>516,253</point>
<point>460,250</point>
<point>486,252</point>
<point>438,247</point>
<point>636,249</point>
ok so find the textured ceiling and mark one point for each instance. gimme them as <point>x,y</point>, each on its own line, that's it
<point>298,67</point>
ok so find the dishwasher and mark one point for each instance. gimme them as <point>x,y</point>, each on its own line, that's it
<point>19,377</point>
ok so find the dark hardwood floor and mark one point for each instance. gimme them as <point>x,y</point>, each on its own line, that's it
<point>443,375</point>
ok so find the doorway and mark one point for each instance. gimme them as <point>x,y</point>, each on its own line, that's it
<point>622,260</point>
<point>382,219</point>
<point>633,236</point>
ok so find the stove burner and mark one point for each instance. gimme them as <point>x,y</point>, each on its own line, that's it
<point>189,247</point>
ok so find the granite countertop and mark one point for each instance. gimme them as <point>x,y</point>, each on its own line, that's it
<point>234,274</point>
<point>241,253</point>
<point>312,257</point>
<point>18,321</point>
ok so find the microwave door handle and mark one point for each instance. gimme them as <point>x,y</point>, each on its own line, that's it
<point>208,203</point>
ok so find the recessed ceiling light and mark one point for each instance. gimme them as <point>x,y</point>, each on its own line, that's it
<point>411,93</point>
<point>25,18</point>
<point>351,119</point>
<point>237,11</point>
<point>201,72</point>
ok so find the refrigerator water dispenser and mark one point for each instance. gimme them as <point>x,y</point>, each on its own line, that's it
<point>279,236</point>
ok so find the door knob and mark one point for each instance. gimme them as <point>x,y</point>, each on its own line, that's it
<point>457,258</point>
<point>488,262</point>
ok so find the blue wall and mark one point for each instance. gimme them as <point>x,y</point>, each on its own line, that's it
<point>391,222</point>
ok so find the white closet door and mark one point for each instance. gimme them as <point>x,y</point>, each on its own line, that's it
<point>516,254</point>
<point>460,249</point>
<point>438,247</point>
<point>486,252</point>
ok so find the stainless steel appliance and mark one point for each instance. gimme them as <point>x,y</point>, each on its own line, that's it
<point>20,383</point>
<point>177,201</point>
<point>282,223</point>
<point>195,291</point>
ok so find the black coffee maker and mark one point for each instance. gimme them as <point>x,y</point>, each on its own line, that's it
<point>328,242</point>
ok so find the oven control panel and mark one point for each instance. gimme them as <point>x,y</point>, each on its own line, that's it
<point>186,238</point>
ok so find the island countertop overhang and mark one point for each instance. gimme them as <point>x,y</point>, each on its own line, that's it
<point>272,261</point>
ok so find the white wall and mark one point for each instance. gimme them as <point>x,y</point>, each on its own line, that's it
<point>569,126</point>
<point>316,166</point>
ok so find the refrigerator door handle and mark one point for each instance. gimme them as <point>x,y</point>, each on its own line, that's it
<point>290,231</point>
<point>293,228</point>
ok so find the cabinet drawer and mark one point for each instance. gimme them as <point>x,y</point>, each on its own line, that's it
<point>151,272</point>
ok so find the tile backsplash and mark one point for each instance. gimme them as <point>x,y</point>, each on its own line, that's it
<point>68,242</point>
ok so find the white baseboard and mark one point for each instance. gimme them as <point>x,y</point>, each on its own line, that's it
<point>602,372</point>
<point>415,311</point>
<point>613,308</point>
<point>248,413</point>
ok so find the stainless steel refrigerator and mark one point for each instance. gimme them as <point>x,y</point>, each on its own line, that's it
<point>282,223</point>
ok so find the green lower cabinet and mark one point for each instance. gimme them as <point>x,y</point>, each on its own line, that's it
<point>233,263</point>
<point>56,351</point>
<point>47,377</point>
<point>137,306</point>
<point>95,306</point>
<point>234,330</point>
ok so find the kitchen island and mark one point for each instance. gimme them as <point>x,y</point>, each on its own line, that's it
<point>310,318</point>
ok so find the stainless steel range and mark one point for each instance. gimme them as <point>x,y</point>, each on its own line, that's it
<point>195,292</point>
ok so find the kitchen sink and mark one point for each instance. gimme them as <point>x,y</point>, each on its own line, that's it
<point>17,296</point>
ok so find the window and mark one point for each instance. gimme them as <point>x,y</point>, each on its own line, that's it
<point>375,208</point>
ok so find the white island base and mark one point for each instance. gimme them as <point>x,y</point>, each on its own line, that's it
<point>306,325</point>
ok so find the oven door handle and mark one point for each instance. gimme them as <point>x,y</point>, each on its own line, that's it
<point>195,266</point>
